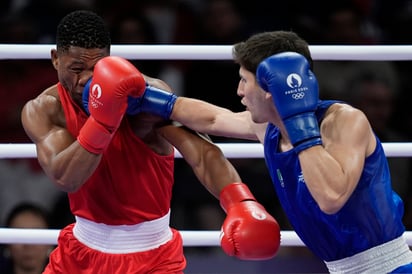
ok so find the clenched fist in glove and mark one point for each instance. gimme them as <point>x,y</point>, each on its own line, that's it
<point>155,101</point>
<point>114,79</point>
<point>249,232</point>
<point>294,88</point>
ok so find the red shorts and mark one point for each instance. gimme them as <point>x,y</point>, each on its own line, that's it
<point>71,256</point>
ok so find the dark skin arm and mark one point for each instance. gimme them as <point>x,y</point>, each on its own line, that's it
<point>206,159</point>
<point>209,164</point>
<point>67,163</point>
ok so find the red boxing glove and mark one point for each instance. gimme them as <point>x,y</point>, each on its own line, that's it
<point>249,232</point>
<point>114,79</point>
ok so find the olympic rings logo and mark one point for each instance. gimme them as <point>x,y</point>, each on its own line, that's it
<point>298,96</point>
<point>94,105</point>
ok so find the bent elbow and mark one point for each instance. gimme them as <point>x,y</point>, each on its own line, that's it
<point>329,209</point>
<point>331,205</point>
<point>66,185</point>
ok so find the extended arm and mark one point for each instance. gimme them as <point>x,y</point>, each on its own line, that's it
<point>214,120</point>
<point>249,231</point>
<point>210,166</point>
<point>195,114</point>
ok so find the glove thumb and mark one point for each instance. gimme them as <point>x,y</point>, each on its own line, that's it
<point>85,96</point>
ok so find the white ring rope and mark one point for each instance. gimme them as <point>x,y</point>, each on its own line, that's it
<point>230,150</point>
<point>216,52</point>
<point>190,237</point>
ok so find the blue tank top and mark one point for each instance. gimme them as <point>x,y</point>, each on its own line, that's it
<point>371,216</point>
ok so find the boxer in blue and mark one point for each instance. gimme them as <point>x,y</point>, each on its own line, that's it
<point>327,165</point>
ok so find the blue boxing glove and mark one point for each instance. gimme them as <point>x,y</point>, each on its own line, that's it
<point>85,96</point>
<point>153,100</point>
<point>294,88</point>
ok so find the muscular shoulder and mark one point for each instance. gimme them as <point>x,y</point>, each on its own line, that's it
<point>343,122</point>
<point>45,106</point>
<point>48,101</point>
<point>341,113</point>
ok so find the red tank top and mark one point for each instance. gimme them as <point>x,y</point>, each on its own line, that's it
<point>132,183</point>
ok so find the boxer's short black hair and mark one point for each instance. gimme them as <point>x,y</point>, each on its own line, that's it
<point>258,47</point>
<point>84,29</point>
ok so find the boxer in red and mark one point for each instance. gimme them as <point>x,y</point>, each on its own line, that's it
<point>117,168</point>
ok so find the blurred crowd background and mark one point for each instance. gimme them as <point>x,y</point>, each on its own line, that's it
<point>382,89</point>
